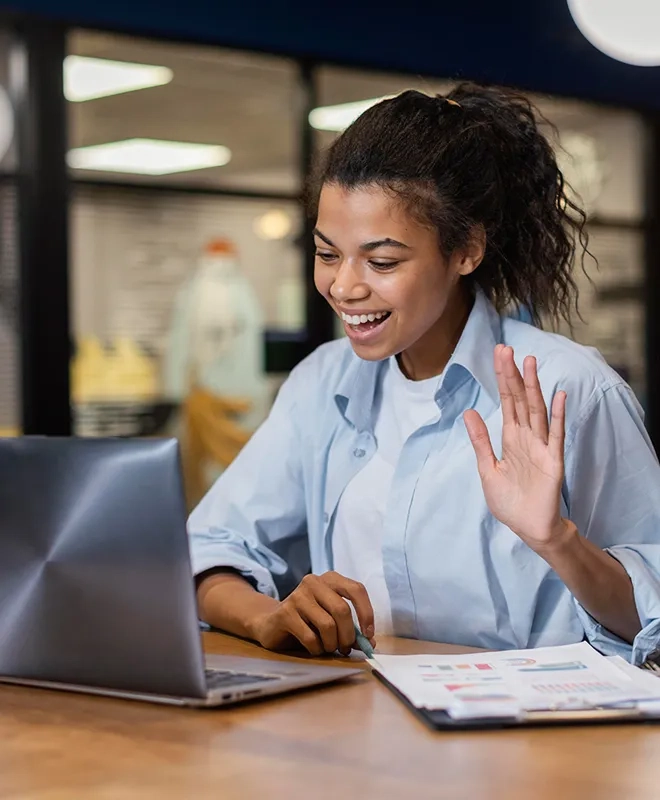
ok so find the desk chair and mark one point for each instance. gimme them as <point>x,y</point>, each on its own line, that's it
<point>210,437</point>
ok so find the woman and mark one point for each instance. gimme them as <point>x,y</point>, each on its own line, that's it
<point>435,215</point>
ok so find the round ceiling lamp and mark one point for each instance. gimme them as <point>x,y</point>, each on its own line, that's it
<point>626,30</point>
<point>274,224</point>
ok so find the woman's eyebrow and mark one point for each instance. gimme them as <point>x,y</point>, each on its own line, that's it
<point>368,246</point>
<point>318,233</point>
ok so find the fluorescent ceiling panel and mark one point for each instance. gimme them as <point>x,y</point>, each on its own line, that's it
<point>339,117</point>
<point>148,157</point>
<point>91,78</point>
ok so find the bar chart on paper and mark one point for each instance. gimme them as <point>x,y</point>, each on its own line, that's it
<point>587,687</point>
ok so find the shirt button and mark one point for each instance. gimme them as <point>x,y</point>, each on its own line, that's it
<point>358,452</point>
<point>325,517</point>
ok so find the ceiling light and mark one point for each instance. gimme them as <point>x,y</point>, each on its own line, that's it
<point>91,78</point>
<point>274,224</point>
<point>627,30</point>
<point>148,157</point>
<point>339,117</point>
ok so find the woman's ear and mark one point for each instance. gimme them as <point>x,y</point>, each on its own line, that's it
<point>470,256</point>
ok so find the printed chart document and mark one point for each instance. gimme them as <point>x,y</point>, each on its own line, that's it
<point>510,683</point>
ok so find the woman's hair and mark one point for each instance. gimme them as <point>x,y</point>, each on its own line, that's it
<point>475,158</point>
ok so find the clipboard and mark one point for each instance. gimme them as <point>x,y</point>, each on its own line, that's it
<point>439,720</point>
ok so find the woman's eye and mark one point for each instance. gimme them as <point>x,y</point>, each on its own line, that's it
<point>324,256</point>
<point>382,265</point>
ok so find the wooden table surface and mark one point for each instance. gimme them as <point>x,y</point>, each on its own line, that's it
<point>354,740</point>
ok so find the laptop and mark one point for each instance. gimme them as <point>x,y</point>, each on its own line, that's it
<point>96,585</point>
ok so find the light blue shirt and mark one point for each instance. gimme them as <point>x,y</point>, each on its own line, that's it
<point>453,572</point>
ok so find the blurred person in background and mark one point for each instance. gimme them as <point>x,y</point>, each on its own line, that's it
<point>374,479</point>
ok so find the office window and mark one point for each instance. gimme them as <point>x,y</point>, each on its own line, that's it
<point>9,320</point>
<point>200,115</point>
<point>601,151</point>
<point>186,249</point>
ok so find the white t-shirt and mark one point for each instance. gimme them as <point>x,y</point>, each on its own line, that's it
<point>405,406</point>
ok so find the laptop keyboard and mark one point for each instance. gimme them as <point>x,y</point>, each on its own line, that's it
<point>226,679</point>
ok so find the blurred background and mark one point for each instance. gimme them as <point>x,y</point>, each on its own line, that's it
<point>155,263</point>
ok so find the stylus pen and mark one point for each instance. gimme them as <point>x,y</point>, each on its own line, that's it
<point>363,643</point>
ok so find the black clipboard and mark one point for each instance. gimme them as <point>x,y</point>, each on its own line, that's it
<point>441,721</point>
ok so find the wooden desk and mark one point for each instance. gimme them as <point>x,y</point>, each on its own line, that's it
<point>352,740</point>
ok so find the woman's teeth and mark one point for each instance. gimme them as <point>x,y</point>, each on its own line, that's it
<point>357,319</point>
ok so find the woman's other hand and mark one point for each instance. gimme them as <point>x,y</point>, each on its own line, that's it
<point>523,488</point>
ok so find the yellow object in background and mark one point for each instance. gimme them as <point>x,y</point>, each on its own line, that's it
<point>121,373</point>
<point>88,376</point>
<point>130,374</point>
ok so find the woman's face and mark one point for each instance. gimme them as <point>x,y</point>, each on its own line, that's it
<point>383,273</point>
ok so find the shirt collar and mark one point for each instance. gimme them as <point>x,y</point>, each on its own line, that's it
<point>356,390</point>
<point>473,354</point>
<point>474,351</point>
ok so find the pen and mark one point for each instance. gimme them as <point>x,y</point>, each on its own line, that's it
<point>363,643</point>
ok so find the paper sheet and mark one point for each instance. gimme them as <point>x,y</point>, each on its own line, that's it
<point>512,682</point>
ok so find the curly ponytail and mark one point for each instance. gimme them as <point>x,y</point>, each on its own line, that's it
<point>474,158</point>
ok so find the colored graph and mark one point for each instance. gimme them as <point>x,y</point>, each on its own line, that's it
<point>556,667</point>
<point>452,667</point>
<point>474,683</point>
<point>589,687</point>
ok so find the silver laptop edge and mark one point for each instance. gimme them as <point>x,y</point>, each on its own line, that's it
<point>293,678</point>
<point>96,589</point>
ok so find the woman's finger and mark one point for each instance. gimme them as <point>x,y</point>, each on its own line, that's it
<point>538,412</point>
<point>323,623</point>
<point>506,398</point>
<point>557,425</point>
<point>300,630</point>
<point>478,433</point>
<point>516,386</point>
<point>357,594</point>
<point>339,611</point>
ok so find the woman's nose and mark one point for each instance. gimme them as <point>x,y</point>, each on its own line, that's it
<point>348,284</point>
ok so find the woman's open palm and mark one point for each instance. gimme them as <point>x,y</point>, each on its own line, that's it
<point>523,488</point>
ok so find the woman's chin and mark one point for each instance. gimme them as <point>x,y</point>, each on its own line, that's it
<point>371,352</point>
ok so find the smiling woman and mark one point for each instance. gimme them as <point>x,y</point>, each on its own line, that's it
<point>415,467</point>
<point>406,283</point>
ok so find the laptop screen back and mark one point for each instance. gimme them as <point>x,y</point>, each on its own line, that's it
<point>95,578</point>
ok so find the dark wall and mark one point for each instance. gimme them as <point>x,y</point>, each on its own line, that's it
<point>529,43</point>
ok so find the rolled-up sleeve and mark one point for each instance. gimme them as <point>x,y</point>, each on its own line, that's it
<point>253,518</point>
<point>613,486</point>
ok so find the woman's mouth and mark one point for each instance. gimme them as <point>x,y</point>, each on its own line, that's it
<point>362,327</point>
